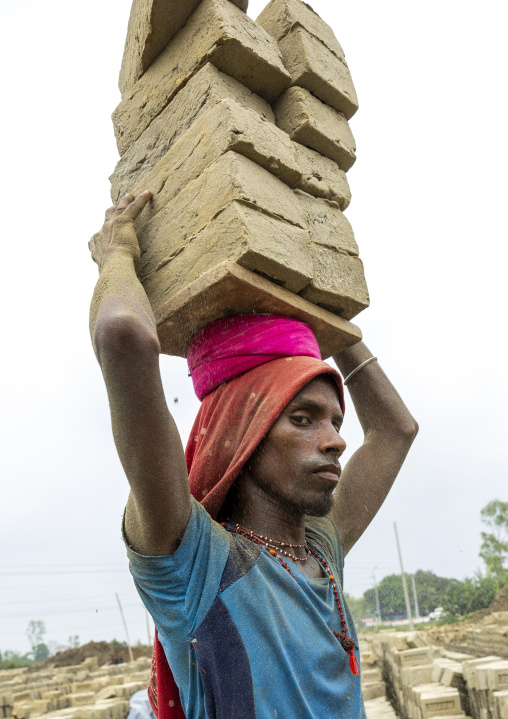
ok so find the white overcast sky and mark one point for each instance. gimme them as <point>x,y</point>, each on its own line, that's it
<point>429,213</point>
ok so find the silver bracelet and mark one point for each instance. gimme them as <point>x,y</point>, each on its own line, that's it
<point>361,366</point>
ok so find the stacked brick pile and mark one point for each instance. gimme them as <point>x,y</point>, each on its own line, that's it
<point>480,636</point>
<point>421,683</point>
<point>240,129</point>
<point>84,691</point>
<point>487,681</point>
<point>490,636</point>
<point>424,681</point>
<point>377,705</point>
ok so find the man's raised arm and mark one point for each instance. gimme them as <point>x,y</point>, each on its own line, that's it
<point>389,430</point>
<point>124,337</point>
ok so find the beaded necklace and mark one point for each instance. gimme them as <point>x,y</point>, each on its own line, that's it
<point>274,548</point>
<point>272,543</point>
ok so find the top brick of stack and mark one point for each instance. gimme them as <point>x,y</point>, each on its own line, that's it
<point>217,32</point>
<point>152,24</point>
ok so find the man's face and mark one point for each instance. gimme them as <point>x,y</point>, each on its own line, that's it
<point>297,464</point>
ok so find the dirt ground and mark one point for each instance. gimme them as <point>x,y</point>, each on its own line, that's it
<point>104,651</point>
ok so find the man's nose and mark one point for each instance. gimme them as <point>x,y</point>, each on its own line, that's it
<point>331,441</point>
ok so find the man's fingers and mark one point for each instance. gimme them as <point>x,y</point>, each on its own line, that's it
<point>135,207</point>
<point>125,202</point>
<point>110,212</point>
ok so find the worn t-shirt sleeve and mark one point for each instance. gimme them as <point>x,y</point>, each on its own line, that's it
<point>178,590</point>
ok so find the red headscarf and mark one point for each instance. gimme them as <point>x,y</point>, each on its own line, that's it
<point>231,422</point>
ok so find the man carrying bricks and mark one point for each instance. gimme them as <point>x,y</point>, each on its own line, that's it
<point>237,547</point>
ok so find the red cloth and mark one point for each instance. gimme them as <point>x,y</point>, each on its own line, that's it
<point>229,426</point>
<point>231,346</point>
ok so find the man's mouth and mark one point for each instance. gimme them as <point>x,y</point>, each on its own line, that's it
<point>331,472</point>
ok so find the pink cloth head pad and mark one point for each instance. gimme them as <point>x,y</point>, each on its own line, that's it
<point>228,347</point>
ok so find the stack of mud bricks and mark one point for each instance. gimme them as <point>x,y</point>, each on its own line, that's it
<point>240,130</point>
<point>377,705</point>
<point>84,691</point>
<point>420,683</point>
<point>487,681</point>
<point>491,635</point>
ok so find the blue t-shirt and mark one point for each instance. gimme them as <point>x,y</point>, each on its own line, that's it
<point>243,638</point>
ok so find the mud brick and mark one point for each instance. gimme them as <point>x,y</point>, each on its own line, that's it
<point>314,67</point>
<point>414,657</point>
<point>207,87</point>
<point>81,687</point>
<point>373,690</point>
<point>21,710</point>
<point>452,675</point>
<point>501,704</point>
<point>497,676</point>
<point>231,177</point>
<point>90,663</point>
<point>152,24</point>
<point>217,32</point>
<point>338,283</point>
<point>327,225</point>
<point>412,676</point>
<point>38,707</point>
<point>81,699</point>
<point>281,16</point>
<point>371,675</point>
<point>310,122</point>
<point>440,703</point>
<point>226,126</point>
<point>230,289</point>
<point>322,177</point>
<point>241,234</point>
<point>52,695</point>
<point>107,693</point>
<point>111,709</point>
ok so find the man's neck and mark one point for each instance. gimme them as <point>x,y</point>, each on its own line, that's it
<point>258,512</point>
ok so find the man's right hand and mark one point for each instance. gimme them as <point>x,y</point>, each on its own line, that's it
<point>118,233</point>
<point>124,335</point>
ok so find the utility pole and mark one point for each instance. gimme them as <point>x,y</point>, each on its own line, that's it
<point>148,628</point>
<point>404,583</point>
<point>378,606</point>
<point>417,608</point>
<point>131,655</point>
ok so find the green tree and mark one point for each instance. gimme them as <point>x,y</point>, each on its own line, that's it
<point>14,660</point>
<point>40,652</point>
<point>73,640</point>
<point>391,598</point>
<point>470,595</point>
<point>35,632</point>
<point>494,548</point>
<point>430,590</point>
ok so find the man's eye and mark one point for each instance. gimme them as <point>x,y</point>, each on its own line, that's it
<point>300,419</point>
